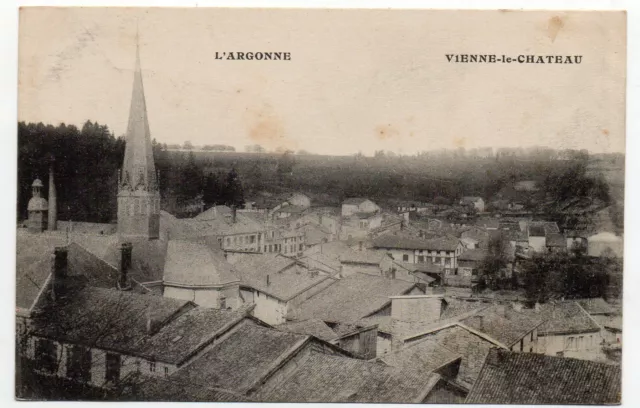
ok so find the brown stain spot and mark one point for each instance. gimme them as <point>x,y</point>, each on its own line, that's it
<point>459,141</point>
<point>555,25</point>
<point>267,130</point>
<point>605,132</point>
<point>386,132</point>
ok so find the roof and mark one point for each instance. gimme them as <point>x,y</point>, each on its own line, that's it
<point>195,264</point>
<point>488,223</point>
<point>472,348</point>
<point>153,388</point>
<point>421,357</point>
<point>214,212</point>
<point>311,327</point>
<point>369,257</point>
<point>529,378</point>
<point>352,298</point>
<point>502,323</point>
<point>287,278</point>
<point>471,198</point>
<point>187,333</point>
<point>403,241</point>
<point>110,319</point>
<point>354,200</point>
<point>609,322</point>
<point>223,224</point>
<point>421,270</point>
<point>325,378</point>
<point>556,240</point>
<point>333,249</point>
<point>476,255</point>
<point>564,318</point>
<point>315,234</point>
<point>596,306</point>
<point>536,231</point>
<point>293,209</point>
<point>242,359</point>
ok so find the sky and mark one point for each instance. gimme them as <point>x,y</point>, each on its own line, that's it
<point>357,81</point>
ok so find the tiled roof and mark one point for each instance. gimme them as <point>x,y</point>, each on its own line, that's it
<point>476,255</point>
<point>33,264</point>
<point>223,225</point>
<point>287,278</point>
<point>595,306</point>
<point>153,388</point>
<point>324,378</point>
<point>213,213</point>
<point>609,322</point>
<point>564,318</point>
<point>383,322</point>
<point>470,346</point>
<point>443,243</point>
<point>370,257</point>
<point>196,264</point>
<point>311,327</point>
<point>333,249</point>
<point>502,323</point>
<point>421,357</point>
<point>109,319</point>
<point>242,359</point>
<point>184,335</point>
<point>352,298</point>
<point>529,378</point>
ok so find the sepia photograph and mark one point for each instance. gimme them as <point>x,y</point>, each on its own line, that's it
<point>399,206</point>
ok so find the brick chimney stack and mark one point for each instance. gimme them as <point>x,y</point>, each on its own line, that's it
<point>59,272</point>
<point>124,266</point>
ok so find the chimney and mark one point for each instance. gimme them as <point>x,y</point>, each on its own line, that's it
<point>124,266</point>
<point>53,203</point>
<point>268,280</point>
<point>153,325</point>
<point>501,310</point>
<point>59,266</point>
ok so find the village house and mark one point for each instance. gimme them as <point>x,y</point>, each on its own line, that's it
<point>534,379</point>
<point>276,284</point>
<point>443,251</point>
<point>351,206</point>
<point>568,331</point>
<point>538,233</point>
<point>201,274</point>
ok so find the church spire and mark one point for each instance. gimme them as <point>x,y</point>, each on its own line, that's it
<point>138,170</point>
<point>138,195</point>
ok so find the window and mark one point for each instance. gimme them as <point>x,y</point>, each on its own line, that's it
<point>112,373</point>
<point>300,248</point>
<point>570,343</point>
<point>253,239</point>
<point>79,363</point>
<point>228,241</point>
<point>420,258</point>
<point>47,355</point>
<point>531,336</point>
<point>265,248</point>
<point>166,371</point>
<point>285,249</point>
<point>152,366</point>
<point>530,349</point>
<point>405,258</point>
<point>270,249</point>
<point>521,344</point>
<point>580,342</point>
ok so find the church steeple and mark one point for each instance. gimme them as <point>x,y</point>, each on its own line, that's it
<point>138,170</point>
<point>138,193</point>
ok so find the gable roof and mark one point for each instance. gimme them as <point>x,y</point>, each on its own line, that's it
<point>325,378</point>
<point>311,327</point>
<point>352,298</point>
<point>196,264</point>
<point>421,357</point>
<point>186,334</point>
<point>108,319</point>
<point>529,378</point>
<point>564,318</point>
<point>154,388</point>
<point>243,359</point>
<point>502,323</point>
<point>405,241</point>
<point>596,306</point>
<point>472,348</point>
<point>287,278</point>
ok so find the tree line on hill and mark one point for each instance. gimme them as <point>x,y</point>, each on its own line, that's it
<point>87,187</point>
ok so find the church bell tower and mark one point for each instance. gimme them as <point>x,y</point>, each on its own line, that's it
<point>138,191</point>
